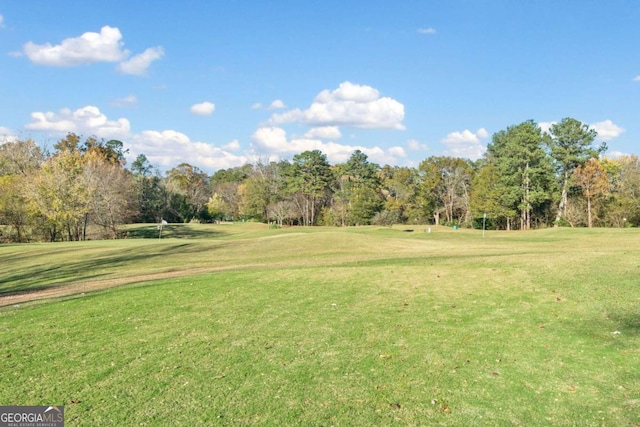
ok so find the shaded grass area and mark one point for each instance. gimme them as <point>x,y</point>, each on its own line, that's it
<point>444,329</point>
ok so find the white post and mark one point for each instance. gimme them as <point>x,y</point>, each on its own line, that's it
<point>484,222</point>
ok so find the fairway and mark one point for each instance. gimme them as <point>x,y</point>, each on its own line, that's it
<point>242,325</point>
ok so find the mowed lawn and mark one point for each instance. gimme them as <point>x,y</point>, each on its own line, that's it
<point>240,325</point>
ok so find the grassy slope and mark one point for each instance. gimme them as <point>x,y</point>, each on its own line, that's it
<point>331,327</point>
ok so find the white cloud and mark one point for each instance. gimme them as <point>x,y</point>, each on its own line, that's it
<point>87,121</point>
<point>168,148</point>
<point>138,64</point>
<point>91,47</point>
<point>482,133</point>
<point>126,102</point>
<point>397,152</point>
<point>607,130</point>
<point>7,135</point>
<point>349,105</point>
<point>1,21</point>
<point>415,145</point>
<point>106,46</point>
<point>203,109</point>
<point>232,146</point>
<point>546,126</point>
<point>277,104</point>
<point>636,79</point>
<point>324,132</point>
<point>466,144</point>
<point>273,140</point>
<point>428,30</point>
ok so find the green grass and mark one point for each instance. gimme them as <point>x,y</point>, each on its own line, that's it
<point>355,327</point>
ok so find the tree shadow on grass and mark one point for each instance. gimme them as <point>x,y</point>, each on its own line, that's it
<point>47,275</point>
<point>176,231</point>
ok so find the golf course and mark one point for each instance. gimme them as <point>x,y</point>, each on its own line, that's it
<point>246,325</point>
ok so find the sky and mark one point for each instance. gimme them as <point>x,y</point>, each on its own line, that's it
<point>218,84</point>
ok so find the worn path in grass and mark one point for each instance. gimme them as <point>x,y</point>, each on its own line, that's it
<point>42,271</point>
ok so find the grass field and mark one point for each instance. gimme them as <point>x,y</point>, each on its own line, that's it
<point>241,325</point>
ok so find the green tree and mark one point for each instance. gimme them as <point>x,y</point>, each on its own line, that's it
<point>190,191</point>
<point>400,191</point>
<point>624,207</point>
<point>357,196</point>
<point>524,171</point>
<point>446,187</point>
<point>571,145</point>
<point>60,194</point>
<point>150,190</point>
<point>308,179</point>
<point>487,197</point>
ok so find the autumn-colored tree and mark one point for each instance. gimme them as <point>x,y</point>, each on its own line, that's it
<point>571,145</point>
<point>593,180</point>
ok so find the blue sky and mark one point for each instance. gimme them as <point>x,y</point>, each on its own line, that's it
<point>221,83</point>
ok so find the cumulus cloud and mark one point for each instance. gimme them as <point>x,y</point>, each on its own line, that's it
<point>636,79</point>
<point>232,145</point>
<point>1,21</point>
<point>546,126</point>
<point>203,109</point>
<point>166,148</point>
<point>169,147</point>
<point>428,30</point>
<point>607,130</point>
<point>277,104</point>
<point>324,132</point>
<point>138,64</point>
<point>92,47</point>
<point>350,105</point>
<point>106,46</point>
<point>7,135</point>
<point>87,120</point>
<point>466,144</point>
<point>126,102</point>
<point>273,140</point>
<point>415,145</point>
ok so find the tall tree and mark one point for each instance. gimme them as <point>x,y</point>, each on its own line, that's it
<point>309,177</point>
<point>20,157</point>
<point>524,170</point>
<point>400,189</point>
<point>190,189</point>
<point>624,208</point>
<point>150,189</point>
<point>112,196</point>
<point>571,145</point>
<point>446,188</point>
<point>594,182</point>
<point>60,194</point>
<point>357,197</point>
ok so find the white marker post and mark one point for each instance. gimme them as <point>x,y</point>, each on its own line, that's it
<point>162,223</point>
<point>484,223</point>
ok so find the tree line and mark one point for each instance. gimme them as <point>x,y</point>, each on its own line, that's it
<point>528,178</point>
